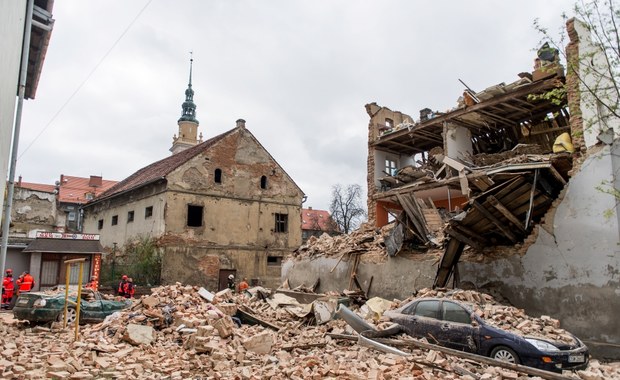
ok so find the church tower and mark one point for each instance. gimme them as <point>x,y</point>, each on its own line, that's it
<point>188,124</point>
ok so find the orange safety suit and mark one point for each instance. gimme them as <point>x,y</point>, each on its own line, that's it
<point>25,283</point>
<point>7,290</point>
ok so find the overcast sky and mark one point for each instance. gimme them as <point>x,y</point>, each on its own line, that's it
<point>298,72</point>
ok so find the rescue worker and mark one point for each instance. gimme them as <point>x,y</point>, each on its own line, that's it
<point>93,284</point>
<point>7,289</point>
<point>231,282</point>
<point>25,283</point>
<point>121,286</point>
<point>243,285</point>
<point>129,289</point>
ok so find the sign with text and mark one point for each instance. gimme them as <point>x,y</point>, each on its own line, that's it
<point>58,235</point>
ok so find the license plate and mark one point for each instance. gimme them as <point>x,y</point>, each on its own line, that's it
<point>23,301</point>
<point>577,358</point>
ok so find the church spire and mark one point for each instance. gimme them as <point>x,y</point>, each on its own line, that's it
<point>188,125</point>
<point>189,107</point>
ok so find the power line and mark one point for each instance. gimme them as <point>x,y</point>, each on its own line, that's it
<point>87,77</point>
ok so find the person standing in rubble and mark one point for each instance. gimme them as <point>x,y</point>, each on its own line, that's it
<point>93,284</point>
<point>121,286</point>
<point>7,289</point>
<point>243,285</point>
<point>25,283</point>
<point>129,288</point>
<point>231,282</point>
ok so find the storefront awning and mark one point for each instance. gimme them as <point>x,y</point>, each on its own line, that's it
<point>65,246</point>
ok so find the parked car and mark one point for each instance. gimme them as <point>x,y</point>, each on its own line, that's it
<point>453,324</point>
<point>44,307</point>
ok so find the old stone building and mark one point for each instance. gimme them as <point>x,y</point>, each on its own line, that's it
<point>219,207</point>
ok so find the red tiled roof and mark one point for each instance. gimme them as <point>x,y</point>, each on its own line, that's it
<point>74,189</point>
<point>310,217</point>
<point>36,186</point>
<point>162,167</point>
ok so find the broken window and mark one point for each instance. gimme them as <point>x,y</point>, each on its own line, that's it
<point>114,220</point>
<point>130,215</point>
<point>148,212</point>
<point>281,223</point>
<point>263,182</point>
<point>218,176</point>
<point>390,167</point>
<point>100,224</point>
<point>389,123</point>
<point>274,260</point>
<point>194,216</point>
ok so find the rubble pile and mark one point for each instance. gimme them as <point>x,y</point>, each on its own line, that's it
<point>503,316</point>
<point>366,240</point>
<point>181,332</point>
<point>520,153</point>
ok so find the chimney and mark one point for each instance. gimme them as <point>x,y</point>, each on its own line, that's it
<point>309,208</point>
<point>19,181</point>
<point>241,123</point>
<point>95,181</point>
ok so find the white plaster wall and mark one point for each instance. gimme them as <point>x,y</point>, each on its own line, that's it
<point>458,142</point>
<point>596,118</point>
<point>12,18</point>
<point>124,232</point>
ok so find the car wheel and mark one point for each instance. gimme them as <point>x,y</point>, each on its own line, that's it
<point>71,314</point>
<point>505,354</point>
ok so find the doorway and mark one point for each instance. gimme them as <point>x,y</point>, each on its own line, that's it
<point>223,278</point>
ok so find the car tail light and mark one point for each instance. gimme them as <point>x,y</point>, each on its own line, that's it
<point>39,303</point>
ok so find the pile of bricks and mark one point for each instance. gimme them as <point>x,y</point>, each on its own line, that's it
<point>177,334</point>
<point>366,239</point>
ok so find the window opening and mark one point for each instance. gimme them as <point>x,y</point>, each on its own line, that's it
<point>130,216</point>
<point>218,175</point>
<point>390,167</point>
<point>263,182</point>
<point>274,260</point>
<point>194,216</point>
<point>114,220</point>
<point>148,212</point>
<point>100,224</point>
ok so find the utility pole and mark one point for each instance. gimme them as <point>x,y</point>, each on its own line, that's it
<point>6,218</point>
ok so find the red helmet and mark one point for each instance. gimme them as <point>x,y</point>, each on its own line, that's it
<point>124,277</point>
<point>9,270</point>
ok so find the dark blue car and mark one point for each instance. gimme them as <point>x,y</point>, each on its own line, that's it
<point>453,324</point>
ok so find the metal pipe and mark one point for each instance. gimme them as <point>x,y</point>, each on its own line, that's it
<point>6,218</point>
<point>355,321</point>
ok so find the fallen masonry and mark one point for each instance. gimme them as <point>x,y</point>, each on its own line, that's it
<point>175,333</point>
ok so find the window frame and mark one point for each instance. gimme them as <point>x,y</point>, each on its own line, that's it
<point>100,224</point>
<point>148,212</point>
<point>263,182</point>
<point>281,223</point>
<point>114,220</point>
<point>217,176</point>
<point>130,216</point>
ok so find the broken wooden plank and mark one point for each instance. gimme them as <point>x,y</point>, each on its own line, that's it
<point>495,221</point>
<point>509,215</point>
<point>462,238</point>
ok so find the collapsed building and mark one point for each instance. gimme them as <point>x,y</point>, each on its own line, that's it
<point>502,192</point>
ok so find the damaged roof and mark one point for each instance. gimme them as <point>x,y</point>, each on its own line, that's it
<point>500,107</point>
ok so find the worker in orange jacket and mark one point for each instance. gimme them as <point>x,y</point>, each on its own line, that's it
<point>7,289</point>
<point>25,283</point>
<point>93,284</point>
